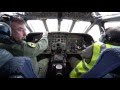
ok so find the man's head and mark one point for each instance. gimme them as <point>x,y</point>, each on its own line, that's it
<point>18,28</point>
<point>112,35</point>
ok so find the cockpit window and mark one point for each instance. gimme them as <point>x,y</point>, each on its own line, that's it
<point>112,24</point>
<point>65,25</point>
<point>108,13</point>
<point>80,26</point>
<point>95,32</point>
<point>36,25</point>
<point>40,24</point>
<point>52,25</point>
<point>13,13</point>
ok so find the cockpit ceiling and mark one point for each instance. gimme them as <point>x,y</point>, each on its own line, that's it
<point>85,16</point>
<point>82,16</point>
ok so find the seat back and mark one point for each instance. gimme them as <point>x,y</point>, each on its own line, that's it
<point>108,61</point>
<point>18,67</point>
<point>4,56</point>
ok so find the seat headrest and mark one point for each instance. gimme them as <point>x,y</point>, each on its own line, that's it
<point>5,29</point>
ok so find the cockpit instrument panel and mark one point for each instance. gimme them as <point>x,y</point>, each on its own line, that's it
<point>72,43</point>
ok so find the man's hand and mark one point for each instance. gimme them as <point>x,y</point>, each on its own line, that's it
<point>45,34</point>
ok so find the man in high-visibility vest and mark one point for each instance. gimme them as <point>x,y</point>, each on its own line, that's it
<point>110,39</point>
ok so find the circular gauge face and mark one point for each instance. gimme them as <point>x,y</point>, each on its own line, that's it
<point>58,66</point>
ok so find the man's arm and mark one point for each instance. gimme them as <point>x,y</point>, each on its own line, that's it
<point>28,48</point>
<point>81,67</point>
<point>37,48</point>
<point>87,53</point>
<point>41,46</point>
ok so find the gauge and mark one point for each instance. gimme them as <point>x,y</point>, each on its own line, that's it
<point>58,66</point>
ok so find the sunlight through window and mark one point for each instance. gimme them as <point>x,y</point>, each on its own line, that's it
<point>95,32</point>
<point>80,26</point>
<point>12,13</point>
<point>112,24</point>
<point>109,13</point>
<point>65,25</point>
<point>36,25</point>
<point>52,25</point>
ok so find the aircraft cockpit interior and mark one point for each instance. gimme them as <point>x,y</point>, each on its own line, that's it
<point>61,47</point>
<point>69,33</point>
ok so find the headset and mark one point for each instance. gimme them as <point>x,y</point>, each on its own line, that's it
<point>103,36</point>
<point>5,28</point>
<point>110,35</point>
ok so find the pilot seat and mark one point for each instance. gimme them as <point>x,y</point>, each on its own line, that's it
<point>107,65</point>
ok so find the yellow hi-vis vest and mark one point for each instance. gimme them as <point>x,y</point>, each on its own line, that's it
<point>82,67</point>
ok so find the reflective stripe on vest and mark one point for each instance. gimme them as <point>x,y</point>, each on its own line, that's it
<point>78,70</point>
<point>85,65</point>
<point>96,53</point>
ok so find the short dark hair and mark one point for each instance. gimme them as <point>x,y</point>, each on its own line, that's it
<point>17,19</point>
<point>113,34</point>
